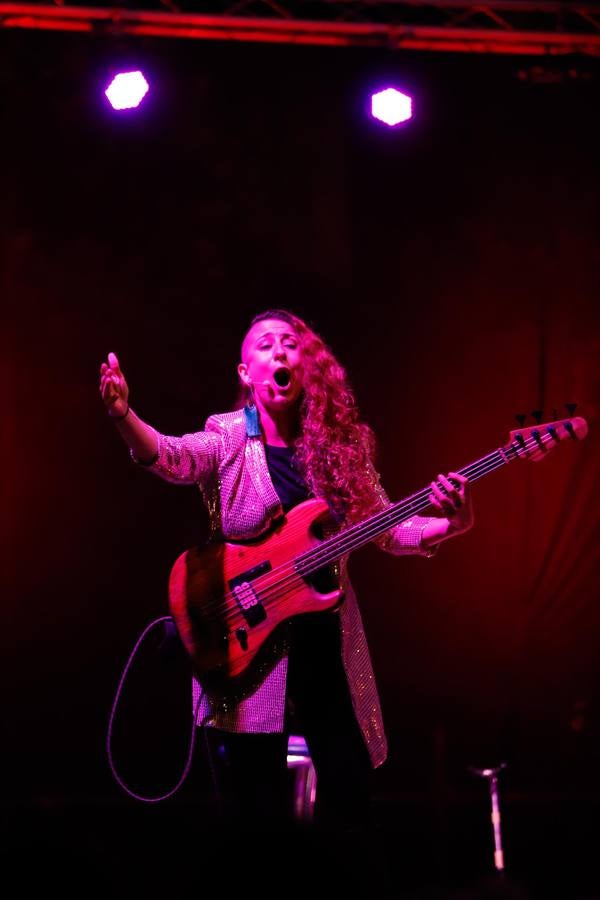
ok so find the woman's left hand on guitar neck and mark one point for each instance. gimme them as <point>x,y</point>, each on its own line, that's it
<point>454,504</point>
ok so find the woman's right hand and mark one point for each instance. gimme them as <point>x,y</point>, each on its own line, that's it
<point>113,387</point>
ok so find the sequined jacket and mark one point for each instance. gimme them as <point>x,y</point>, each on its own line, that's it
<point>227,462</point>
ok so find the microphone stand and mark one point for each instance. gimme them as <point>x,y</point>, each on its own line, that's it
<point>492,777</point>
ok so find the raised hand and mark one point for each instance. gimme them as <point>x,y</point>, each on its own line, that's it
<point>113,387</point>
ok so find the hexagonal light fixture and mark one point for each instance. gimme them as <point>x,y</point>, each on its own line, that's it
<point>391,106</point>
<point>127,90</point>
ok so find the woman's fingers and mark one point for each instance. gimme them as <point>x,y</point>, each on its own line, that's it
<point>111,372</point>
<point>448,492</point>
<point>109,377</point>
<point>108,390</point>
<point>452,492</point>
<point>113,387</point>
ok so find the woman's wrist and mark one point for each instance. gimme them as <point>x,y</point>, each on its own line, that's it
<point>434,532</point>
<point>119,418</point>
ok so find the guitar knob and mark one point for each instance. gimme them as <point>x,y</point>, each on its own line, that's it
<point>242,636</point>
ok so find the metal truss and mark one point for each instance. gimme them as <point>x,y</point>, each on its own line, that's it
<point>504,26</point>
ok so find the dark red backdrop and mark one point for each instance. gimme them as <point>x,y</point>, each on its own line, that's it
<point>453,265</point>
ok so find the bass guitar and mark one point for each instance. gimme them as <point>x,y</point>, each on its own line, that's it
<point>227,599</point>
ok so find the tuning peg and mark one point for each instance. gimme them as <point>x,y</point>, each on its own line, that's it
<point>537,415</point>
<point>570,408</point>
<point>520,417</point>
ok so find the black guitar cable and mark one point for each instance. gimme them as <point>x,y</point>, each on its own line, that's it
<point>111,763</point>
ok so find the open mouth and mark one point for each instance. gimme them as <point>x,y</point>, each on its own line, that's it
<point>282,377</point>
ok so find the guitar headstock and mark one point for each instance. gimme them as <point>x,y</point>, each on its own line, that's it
<point>536,442</point>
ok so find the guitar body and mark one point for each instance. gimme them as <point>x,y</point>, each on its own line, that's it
<point>227,599</point>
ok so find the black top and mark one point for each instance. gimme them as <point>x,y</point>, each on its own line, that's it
<point>286,478</point>
<point>315,671</point>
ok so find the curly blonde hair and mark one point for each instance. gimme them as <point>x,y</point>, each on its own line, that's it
<point>334,446</point>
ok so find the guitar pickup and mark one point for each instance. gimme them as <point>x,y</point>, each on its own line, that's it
<point>246,597</point>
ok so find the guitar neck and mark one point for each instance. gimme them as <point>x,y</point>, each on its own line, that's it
<point>531,443</point>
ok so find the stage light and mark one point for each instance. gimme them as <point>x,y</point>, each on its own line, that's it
<point>391,106</point>
<point>127,90</point>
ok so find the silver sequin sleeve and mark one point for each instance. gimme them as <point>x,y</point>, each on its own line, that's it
<point>190,459</point>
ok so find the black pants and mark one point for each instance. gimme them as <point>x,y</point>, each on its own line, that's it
<point>250,770</point>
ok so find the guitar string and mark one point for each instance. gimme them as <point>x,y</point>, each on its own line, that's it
<point>269,587</point>
<point>347,540</point>
<point>353,537</point>
<point>396,512</point>
<point>418,501</point>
